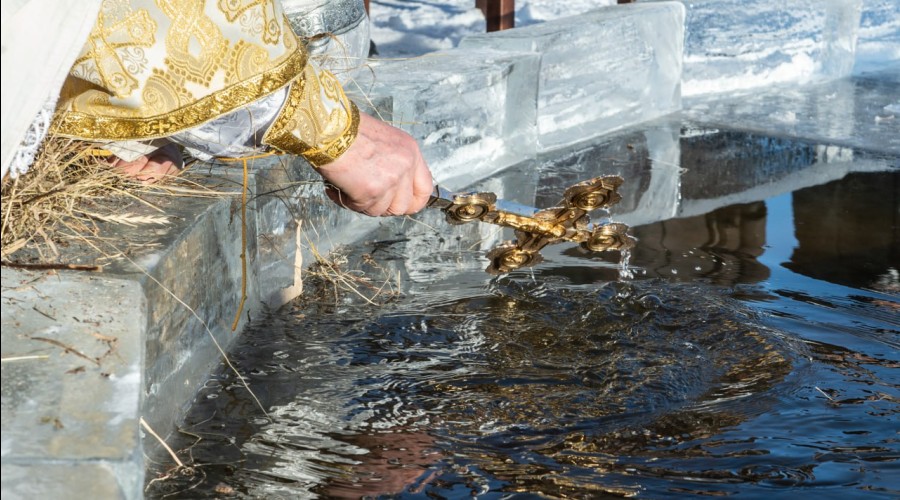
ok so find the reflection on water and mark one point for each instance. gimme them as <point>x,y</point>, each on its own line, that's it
<point>721,246</point>
<point>755,353</point>
<point>849,231</point>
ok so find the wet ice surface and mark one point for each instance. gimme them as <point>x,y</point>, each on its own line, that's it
<point>736,44</point>
<point>590,84</point>
<point>456,115</point>
<point>861,112</point>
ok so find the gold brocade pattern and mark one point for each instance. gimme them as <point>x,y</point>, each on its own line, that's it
<point>110,37</point>
<point>106,127</point>
<point>164,66</point>
<point>153,68</point>
<point>195,47</point>
<point>270,27</point>
<point>317,120</point>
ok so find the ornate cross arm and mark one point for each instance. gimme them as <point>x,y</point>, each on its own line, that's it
<point>536,228</point>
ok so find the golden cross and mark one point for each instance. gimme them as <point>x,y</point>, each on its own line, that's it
<point>534,228</point>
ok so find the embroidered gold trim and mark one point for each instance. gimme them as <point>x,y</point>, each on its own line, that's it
<point>292,133</point>
<point>279,135</point>
<point>336,148</point>
<point>98,127</point>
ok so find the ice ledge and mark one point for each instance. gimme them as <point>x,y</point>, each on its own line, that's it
<point>88,354</point>
<point>740,44</point>
<point>600,71</point>
<point>472,111</point>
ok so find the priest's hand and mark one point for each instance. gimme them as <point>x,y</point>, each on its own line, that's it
<point>382,173</point>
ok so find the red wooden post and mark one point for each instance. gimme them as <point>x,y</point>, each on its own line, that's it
<point>499,14</point>
<point>367,6</point>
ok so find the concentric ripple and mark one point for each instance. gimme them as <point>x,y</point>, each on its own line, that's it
<point>526,387</point>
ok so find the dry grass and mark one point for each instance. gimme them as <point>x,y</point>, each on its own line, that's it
<point>365,280</point>
<point>68,192</point>
<point>61,191</point>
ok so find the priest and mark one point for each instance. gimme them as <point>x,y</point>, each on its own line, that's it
<point>229,79</point>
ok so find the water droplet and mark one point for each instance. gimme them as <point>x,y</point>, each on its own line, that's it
<point>624,272</point>
<point>650,302</point>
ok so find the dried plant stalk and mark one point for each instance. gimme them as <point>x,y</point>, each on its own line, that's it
<point>64,181</point>
<point>71,186</point>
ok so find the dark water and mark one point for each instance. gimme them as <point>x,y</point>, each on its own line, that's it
<point>754,353</point>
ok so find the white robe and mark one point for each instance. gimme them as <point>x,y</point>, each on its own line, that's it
<point>40,41</point>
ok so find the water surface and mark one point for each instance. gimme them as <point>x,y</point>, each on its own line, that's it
<point>750,349</point>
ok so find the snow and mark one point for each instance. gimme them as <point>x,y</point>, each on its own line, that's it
<point>408,28</point>
<point>745,48</point>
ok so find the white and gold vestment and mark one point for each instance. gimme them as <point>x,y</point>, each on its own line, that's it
<point>223,77</point>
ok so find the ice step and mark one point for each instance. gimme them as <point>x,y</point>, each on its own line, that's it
<point>600,71</point>
<point>739,44</point>
<point>473,112</point>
